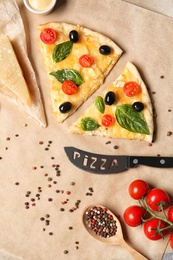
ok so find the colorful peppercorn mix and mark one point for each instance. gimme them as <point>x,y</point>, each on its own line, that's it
<point>101,221</point>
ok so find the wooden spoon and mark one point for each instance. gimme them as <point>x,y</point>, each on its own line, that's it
<point>116,239</point>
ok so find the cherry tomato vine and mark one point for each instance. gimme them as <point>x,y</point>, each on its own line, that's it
<point>154,211</point>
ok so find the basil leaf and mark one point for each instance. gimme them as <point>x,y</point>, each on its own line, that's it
<point>88,124</point>
<point>70,74</point>
<point>61,51</point>
<point>100,105</point>
<point>131,120</point>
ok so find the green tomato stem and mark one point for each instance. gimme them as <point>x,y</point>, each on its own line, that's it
<point>164,218</point>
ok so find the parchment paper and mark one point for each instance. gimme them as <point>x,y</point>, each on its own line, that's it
<point>28,158</point>
<point>11,25</point>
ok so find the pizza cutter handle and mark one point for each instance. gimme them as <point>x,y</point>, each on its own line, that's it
<point>160,162</point>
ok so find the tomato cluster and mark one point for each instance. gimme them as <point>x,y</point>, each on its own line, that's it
<point>154,211</point>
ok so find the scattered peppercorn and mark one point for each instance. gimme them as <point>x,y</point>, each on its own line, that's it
<point>169,133</point>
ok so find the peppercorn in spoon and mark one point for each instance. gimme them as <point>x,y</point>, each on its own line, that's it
<point>103,225</point>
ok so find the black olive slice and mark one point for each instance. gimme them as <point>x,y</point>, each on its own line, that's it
<point>110,98</point>
<point>138,106</point>
<point>105,49</point>
<point>74,36</point>
<point>65,107</point>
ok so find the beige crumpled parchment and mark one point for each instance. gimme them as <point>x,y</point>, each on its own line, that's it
<point>11,25</point>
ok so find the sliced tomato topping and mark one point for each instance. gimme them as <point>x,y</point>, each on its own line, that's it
<point>69,87</point>
<point>131,88</point>
<point>86,61</point>
<point>48,35</point>
<point>108,120</point>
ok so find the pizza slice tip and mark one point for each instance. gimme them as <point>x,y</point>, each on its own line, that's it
<point>123,111</point>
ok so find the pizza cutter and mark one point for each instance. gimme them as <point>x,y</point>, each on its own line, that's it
<point>106,164</point>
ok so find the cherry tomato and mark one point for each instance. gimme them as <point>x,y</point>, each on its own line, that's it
<point>150,229</point>
<point>131,88</point>
<point>171,240</point>
<point>157,197</point>
<point>138,189</point>
<point>133,215</point>
<point>86,61</point>
<point>48,35</point>
<point>108,120</point>
<point>170,214</point>
<point>69,87</point>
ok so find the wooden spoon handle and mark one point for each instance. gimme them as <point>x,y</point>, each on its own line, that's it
<point>131,250</point>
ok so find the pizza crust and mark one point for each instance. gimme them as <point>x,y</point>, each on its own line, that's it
<point>89,43</point>
<point>130,73</point>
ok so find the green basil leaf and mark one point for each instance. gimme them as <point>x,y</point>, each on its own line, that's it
<point>70,74</point>
<point>61,51</point>
<point>100,105</point>
<point>131,120</point>
<point>89,124</point>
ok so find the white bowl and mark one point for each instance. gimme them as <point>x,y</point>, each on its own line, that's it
<point>31,7</point>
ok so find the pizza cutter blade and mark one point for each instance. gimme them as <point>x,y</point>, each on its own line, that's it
<point>106,164</point>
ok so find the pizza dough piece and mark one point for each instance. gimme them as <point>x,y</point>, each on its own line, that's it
<point>126,121</point>
<point>91,77</point>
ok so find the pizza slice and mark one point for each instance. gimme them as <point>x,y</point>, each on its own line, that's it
<point>123,111</point>
<point>77,60</point>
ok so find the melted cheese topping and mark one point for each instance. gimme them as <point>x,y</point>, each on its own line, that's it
<point>89,43</point>
<point>116,131</point>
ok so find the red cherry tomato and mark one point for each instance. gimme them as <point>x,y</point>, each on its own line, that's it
<point>138,189</point>
<point>171,240</point>
<point>108,120</point>
<point>131,88</point>
<point>69,87</point>
<point>170,214</point>
<point>86,61</point>
<point>157,197</point>
<point>48,35</point>
<point>133,215</point>
<point>150,229</point>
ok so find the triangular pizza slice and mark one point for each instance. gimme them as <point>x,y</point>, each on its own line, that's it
<point>123,111</point>
<point>77,60</point>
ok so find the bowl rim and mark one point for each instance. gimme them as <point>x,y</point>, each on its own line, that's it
<point>31,9</point>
